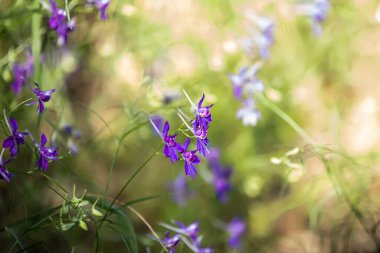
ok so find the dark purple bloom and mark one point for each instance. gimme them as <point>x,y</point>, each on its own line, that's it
<point>203,116</point>
<point>171,242</point>
<point>4,173</point>
<point>46,153</point>
<point>41,97</point>
<point>102,6</point>
<point>58,21</point>
<point>191,231</point>
<point>222,176</point>
<point>200,132</point>
<point>17,138</point>
<point>190,158</point>
<point>236,229</point>
<point>181,190</point>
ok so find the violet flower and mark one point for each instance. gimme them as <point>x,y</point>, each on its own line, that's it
<point>4,173</point>
<point>236,229</point>
<point>171,242</point>
<point>46,154</point>
<point>317,11</point>
<point>200,133</point>
<point>181,190</point>
<point>17,138</point>
<point>248,113</point>
<point>203,113</point>
<point>58,21</point>
<point>21,72</point>
<point>262,38</point>
<point>41,97</point>
<point>191,230</point>
<point>191,159</point>
<point>102,6</point>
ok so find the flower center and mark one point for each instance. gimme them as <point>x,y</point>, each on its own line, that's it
<point>204,112</point>
<point>188,156</point>
<point>169,140</point>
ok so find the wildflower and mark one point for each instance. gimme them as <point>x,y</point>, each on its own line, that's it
<point>246,81</point>
<point>248,113</point>
<point>16,138</point>
<point>236,229</point>
<point>191,231</point>
<point>200,133</point>
<point>238,82</point>
<point>181,190</point>
<point>317,12</point>
<point>4,173</point>
<point>102,6</point>
<point>21,72</point>
<point>190,158</point>
<point>222,176</point>
<point>171,242</point>
<point>71,134</point>
<point>262,38</point>
<point>46,154</point>
<point>58,21</point>
<point>42,97</point>
<point>204,112</point>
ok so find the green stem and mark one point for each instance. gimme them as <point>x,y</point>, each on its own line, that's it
<point>36,41</point>
<point>286,118</point>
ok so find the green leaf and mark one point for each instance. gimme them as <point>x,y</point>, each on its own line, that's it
<point>83,225</point>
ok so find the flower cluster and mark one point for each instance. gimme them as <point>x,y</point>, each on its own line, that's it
<point>317,11</point>
<point>245,85</point>
<point>59,22</point>
<point>21,72</point>
<point>199,129</point>
<point>17,138</point>
<point>261,38</point>
<point>188,234</point>
<point>101,5</point>
<point>222,175</point>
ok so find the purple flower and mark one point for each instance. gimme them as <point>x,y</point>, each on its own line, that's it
<point>191,230</point>
<point>171,146</point>
<point>58,21</point>
<point>181,190</point>
<point>171,242</point>
<point>21,72</point>
<point>4,173</point>
<point>222,176</point>
<point>102,6</point>
<point>262,38</point>
<point>203,116</point>
<point>190,158</point>
<point>16,138</point>
<point>236,229</point>
<point>200,133</point>
<point>46,154</point>
<point>317,11</point>
<point>248,113</point>
<point>42,97</point>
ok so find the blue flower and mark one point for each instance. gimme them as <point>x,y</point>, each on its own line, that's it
<point>236,229</point>
<point>181,190</point>
<point>46,154</point>
<point>17,138</point>
<point>41,97</point>
<point>190,158</point>
<point>58,21</point>
<point>102,6</point>
<point>317,11</point>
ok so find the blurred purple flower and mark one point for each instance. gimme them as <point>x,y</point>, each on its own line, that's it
<point>191,230</point>
<point>46,154</point>
<point>171,242</point>
<point>246,83</point>
<point>17,138</point>
<point>21,72</point>
<point>102,6</point>
<point>157,121</point>
<point>4,173</point>
<point>190,158</point>
<point>236,229</point>
<point>41,97</point>
<point>317,11</point>
<point>71,134</point>
<point>248,113</point>
<point>58,21</point>
<point>222,176</point>
<point>262,38</point>
<point>181,190</point>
